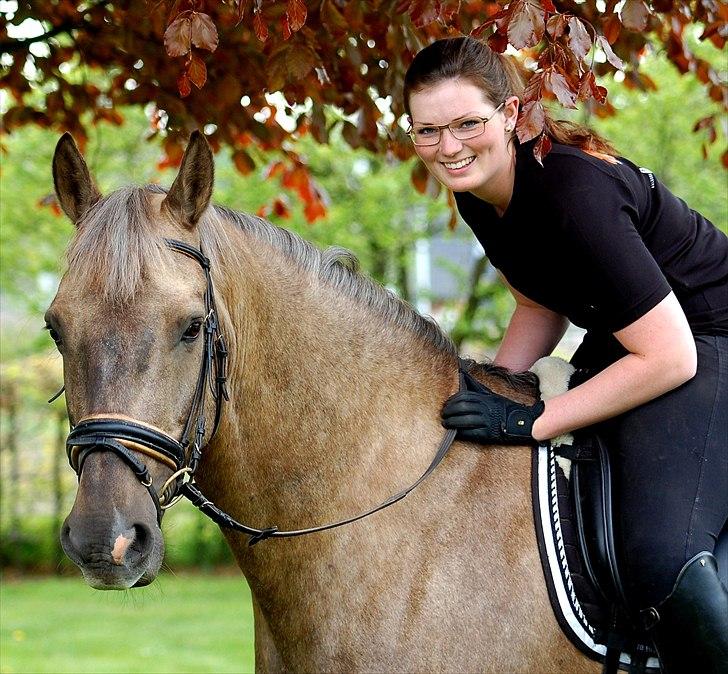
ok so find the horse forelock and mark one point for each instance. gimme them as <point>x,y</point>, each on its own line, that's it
<point>117,244</point>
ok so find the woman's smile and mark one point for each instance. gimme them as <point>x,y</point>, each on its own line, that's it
<point>459,165</point>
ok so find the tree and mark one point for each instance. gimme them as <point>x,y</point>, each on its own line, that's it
<point>214,64</point>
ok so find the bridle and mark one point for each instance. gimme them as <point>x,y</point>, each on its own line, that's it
<point>127,437</point>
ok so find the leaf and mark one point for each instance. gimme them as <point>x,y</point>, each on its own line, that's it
<point>419,177</point>
<point>559,86</point>
<point>332,19</point>
<point>300,60</point>
<point>296,13</point>
<point>285,27</point>
<point>556,25</point>
<point>259,26</point>
<point>635,14</point>
<point>724,159</point>
<point>589,88</point>
<point>579,41</point>
<point>197,71</point>
<point>604,45</point>
<point>424,12</point>
<point>243,162</point>
<point>203,31</point>
<point>530,121</point>
<point>542,148</point>
<point>611,26</point>
<point>183,85</point>
<point>177,37</point>
<point>498,43</point>
<point>526,25</point>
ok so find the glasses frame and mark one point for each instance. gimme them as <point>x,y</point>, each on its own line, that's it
<point>441,127</point>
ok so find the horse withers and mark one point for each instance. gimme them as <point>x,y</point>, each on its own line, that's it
<point>335,388</point>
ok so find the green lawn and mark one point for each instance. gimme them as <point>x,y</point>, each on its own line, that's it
<point>185,623</point>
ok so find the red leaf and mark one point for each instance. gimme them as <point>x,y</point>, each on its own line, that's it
<point>542,148</point>
<point>590,88</point>
<point>424,12</point>
<point>183,85</point>
<point>177,37</point>
<point>419,177</point>
<point>203,32</point>
<point>296,13</point>
<point>556,25</point>
<point>635,15</point>
<point>724,159</point>
<point>579,41</point>
<point>243,162</point>
<point>197,71</point>
<point>548,6</point>
<point>280,208</point>
<point>285,27</point>
<point>314,208</point>
<point>559,86</point>
<point>612,26</point>
<point>526,25</point>
<point>530,121</point>
<point>604,45</point>
<point>259,26</point>
<point>498,42</point>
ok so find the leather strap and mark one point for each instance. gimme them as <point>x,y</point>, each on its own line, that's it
<point>221,518</point>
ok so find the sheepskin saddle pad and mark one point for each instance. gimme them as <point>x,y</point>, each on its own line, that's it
<point>573,515</point>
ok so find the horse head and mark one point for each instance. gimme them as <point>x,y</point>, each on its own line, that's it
<point>130,320</point>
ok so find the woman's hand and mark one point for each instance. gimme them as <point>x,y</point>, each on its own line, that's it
<point>480,415</point>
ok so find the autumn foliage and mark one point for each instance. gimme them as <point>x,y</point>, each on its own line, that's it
<point>211,64</point>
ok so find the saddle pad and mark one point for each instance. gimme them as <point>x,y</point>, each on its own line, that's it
<point>551,518</point>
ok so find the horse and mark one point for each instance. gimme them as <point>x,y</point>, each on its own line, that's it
<point>335,388</point>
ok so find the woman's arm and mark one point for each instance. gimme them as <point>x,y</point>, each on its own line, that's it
<point>532,333</point>
<point>661,357</point>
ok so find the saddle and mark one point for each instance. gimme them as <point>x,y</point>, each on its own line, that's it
<point>575,524</point>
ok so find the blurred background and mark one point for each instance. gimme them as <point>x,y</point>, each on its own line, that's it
<point>197,617</point>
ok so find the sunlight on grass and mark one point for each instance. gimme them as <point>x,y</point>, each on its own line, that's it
<point>178,624</point>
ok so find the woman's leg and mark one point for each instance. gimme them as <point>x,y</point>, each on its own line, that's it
<point>671,494</point>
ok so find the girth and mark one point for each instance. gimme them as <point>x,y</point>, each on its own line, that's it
<point>128,437</point>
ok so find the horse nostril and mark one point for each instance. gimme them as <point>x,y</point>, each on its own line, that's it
<point>142,544</point>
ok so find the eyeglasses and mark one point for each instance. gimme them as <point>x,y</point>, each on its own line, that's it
<point>462,129</point>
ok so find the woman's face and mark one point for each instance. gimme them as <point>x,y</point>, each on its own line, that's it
<point>478,164</point>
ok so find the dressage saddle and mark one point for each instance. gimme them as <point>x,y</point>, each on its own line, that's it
<point>586,502</point>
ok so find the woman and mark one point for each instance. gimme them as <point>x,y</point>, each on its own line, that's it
<point>590,238</point>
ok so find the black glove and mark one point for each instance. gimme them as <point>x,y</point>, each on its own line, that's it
<point>480,415</point>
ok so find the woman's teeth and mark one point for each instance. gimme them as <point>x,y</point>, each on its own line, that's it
<point>458,164</point>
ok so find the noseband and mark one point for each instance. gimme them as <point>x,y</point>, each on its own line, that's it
<point>128,437</point>
<point>125,437</point>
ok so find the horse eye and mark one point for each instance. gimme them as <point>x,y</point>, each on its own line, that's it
<point>192,332</point>
<point>54,335</point>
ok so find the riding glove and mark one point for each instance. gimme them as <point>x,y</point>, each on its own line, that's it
<point>480,415</point>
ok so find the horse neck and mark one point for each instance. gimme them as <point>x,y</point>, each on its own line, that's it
<point>332,406</point>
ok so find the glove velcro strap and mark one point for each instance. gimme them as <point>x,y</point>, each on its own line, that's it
<point>519,421</point>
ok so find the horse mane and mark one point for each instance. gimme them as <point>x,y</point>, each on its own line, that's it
<point>117,246</point>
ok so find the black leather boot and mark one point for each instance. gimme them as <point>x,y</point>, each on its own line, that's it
<point>690,627</point>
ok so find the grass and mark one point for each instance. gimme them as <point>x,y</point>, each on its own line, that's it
<point>180,624</point>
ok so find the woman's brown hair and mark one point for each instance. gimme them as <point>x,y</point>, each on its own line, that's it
<point>497,76</point>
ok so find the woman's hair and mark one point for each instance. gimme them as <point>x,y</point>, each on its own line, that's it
<point>497,76</point>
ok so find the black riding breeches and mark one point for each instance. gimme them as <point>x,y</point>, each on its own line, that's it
<point>670,467</point>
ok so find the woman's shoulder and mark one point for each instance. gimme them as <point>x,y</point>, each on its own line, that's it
<point>567,170</point>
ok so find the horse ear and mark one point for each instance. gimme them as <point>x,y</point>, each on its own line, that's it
<point>191,190</point>
<point>75,190</point>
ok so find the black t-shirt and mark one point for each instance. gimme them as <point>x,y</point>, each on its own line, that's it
<point>602,243</point>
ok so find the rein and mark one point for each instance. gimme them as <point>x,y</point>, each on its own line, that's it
<point>125,437</point>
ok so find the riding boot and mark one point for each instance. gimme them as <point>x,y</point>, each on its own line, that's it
<point>690,627</point>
